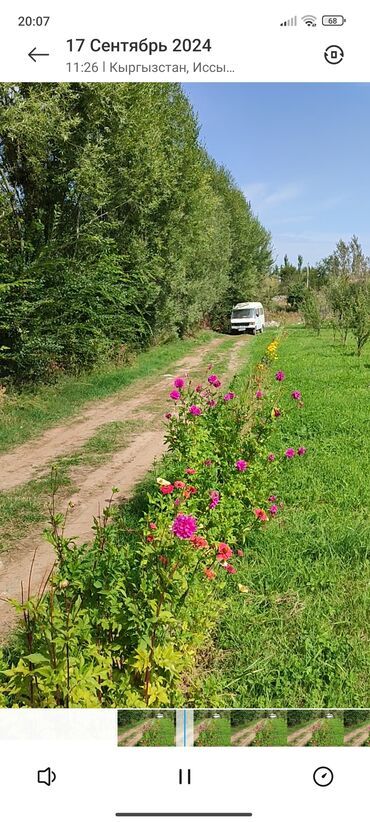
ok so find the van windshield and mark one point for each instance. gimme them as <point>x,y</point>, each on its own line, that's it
<point>238,313</point>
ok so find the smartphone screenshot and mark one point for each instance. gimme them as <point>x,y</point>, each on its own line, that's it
<point>184,411</point>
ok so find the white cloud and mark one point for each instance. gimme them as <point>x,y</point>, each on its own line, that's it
<point>261,195</point>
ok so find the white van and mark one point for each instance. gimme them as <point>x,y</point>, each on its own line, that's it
<point>247,317</point>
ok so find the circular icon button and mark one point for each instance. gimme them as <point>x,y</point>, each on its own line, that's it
<point>334,55</point>
<point>323,777</point>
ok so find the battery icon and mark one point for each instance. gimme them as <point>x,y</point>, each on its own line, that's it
<point>333,20</point>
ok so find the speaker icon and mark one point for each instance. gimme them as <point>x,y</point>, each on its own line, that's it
<point>46,777</point>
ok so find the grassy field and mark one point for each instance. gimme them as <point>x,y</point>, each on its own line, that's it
<point>274,733</point>
<point>160,734</point>
<point>300,635</point>
<point>330,734</point>
<point>217,733</point>
<point>27,413</point>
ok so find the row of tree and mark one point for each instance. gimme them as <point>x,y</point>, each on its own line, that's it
<point>336,291</point>
<point>116,228</point>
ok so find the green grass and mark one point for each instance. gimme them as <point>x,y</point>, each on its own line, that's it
<point>274,733</point>
<point>160,734</point>
<point>217,733</point>
<point>27,413</point>
<point>27,505</point>
<point>301,637</point>
<point>330,734</point>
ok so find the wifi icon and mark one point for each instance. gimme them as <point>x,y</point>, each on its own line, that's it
<point>309,19</point>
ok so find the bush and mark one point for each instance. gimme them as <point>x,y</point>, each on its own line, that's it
<point>217,733</point>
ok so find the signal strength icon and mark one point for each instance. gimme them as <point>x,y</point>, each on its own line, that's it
<point>291,22</point>
<point>309,19</point>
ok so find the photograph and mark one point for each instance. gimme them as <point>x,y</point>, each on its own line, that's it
<point>357,728</point>
<point>211,729</point>
<point>184,405</point>
<point>258,729</point>
<point>146,729</point>
<point>315,728</point>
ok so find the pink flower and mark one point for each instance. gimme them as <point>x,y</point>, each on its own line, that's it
<point>190,471</point>
<point>261,514</point>
<point>179,484</point>
<point>184,526</point>
<point>241,465</point>
<point>217,383</point>
<point>209,573</point>
<point>195,410</point>
<point>259,394</point>
<point>271,457</point>
<point>224,552</point>
<point>199,388</point>
<point>230,569</point>
<point>168,416</point>
<point>276,412</point>
<point>211,403</point>
<point>240,553</point>
<point>273,510</point>
<point>215,499</point>
<point>150,538</point>
<point>280,376</point>
<point>199,542</point>
<point>272,498</point>
<point>152,526</point>
<point>175,395</point>
<point>166,489</point>
<point>212,379</point>
<point>208,463</point>
<point>290,453</point>
<point>179,382</point>
<point>177,502</point>
<point>229,396</point>
<point>296,395</point>
<point>301,450</point>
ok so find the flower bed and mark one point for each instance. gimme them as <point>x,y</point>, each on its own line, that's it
<point>123,619</point>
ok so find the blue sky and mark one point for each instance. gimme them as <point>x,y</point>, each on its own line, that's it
<point>299,152</point>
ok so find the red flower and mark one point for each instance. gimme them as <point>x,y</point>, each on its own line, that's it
<point>166,489</point>
<point>209,573</point>
<point>224,552</point>
<point>150,538</point>
<point>190,471</point>
<point>230,569</point>
<point>261,514</point>
<point>152,526</point>
<point>199,542</point>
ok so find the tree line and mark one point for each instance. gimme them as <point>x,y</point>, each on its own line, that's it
<point>336,291</point>
<point>117,229</point>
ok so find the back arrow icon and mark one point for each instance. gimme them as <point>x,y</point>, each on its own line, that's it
<point>33,54</point>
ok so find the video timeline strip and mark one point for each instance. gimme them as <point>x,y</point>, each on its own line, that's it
<point>243,728</point>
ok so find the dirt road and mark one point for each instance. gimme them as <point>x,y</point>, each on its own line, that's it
<point>247,735</point>
<point>358,736</point>
<point>303,735</point>
<point>132,736</point>
<point>122,470</point>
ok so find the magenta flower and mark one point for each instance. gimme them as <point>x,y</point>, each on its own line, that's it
<point>208,463</point>
<point>259,394</point>
<point>195,410</point>
<point>273,510</point>
<point>212,379</point>
<point>184,526</point>
<point>229,396</point>
<point>280,376</point>
<point>241,465</point>
<point>211,403</point>
<point>199,388</point>
<point>301,450</point>
<point>215,499</point>
<point>271,457</point>
<point>276,412</point>
<point>272,498</point>
<point>175,395</point>
<point>290,453</point>
<point>296,395</point>
<point>217,383</point>
<point>168,416</point>
<point>179,382</point>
